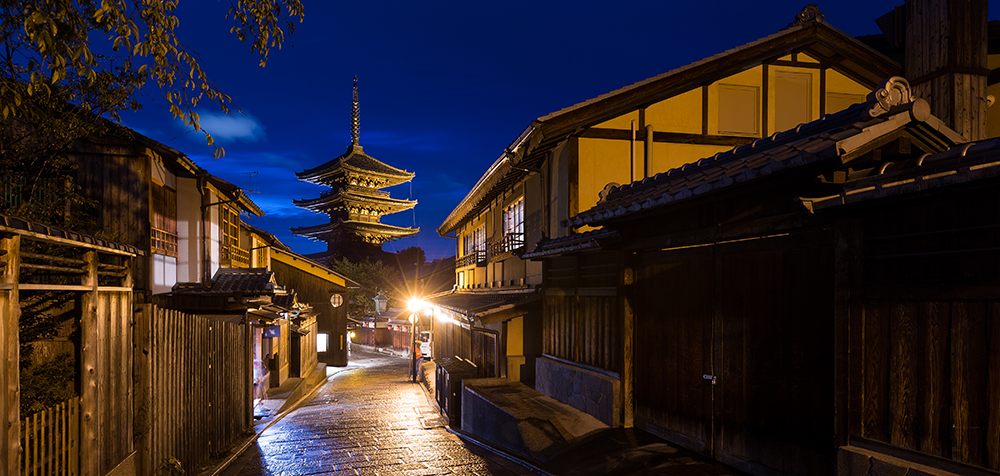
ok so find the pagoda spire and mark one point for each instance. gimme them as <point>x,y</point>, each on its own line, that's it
<point>355,117</point>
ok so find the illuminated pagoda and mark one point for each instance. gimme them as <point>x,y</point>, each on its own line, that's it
<point>355,201</point>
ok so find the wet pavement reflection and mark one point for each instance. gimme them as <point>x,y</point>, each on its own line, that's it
<point>367,420</point>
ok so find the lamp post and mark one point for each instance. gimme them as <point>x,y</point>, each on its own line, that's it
<point>415,305</point>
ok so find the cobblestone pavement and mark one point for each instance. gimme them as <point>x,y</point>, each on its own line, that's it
<point>367,420</point>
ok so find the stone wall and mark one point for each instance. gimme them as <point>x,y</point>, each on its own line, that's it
<point>589,391</point>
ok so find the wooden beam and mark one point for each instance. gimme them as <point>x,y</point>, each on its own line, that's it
<point>671,137</point>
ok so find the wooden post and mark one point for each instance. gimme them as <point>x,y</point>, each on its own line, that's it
<point>142,316</point>
<point>89,358</point>
<point>628,362</point>
<point>10,312</point>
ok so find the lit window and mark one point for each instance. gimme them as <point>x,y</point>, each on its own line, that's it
<point>321,340</point>
<point>164,226</point>
<point>513,225</point>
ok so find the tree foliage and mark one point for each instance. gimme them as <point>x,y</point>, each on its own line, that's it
<point>66,64</point>
<point>411,258</point>
<point>372,278</point>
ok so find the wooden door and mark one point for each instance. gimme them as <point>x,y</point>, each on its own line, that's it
<point>773,355</point>
<point>757,317</point>
<point>673,339</point>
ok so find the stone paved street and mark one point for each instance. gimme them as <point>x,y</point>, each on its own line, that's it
<point>368,419</point>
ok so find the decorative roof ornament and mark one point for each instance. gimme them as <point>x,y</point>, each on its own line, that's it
<point>892,92</point>
<point>355,117</point>
<point>809,14</point>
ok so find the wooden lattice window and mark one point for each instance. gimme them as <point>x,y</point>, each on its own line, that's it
<point>164,229</point>
<point>232,254</point>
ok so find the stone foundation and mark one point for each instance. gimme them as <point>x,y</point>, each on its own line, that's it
<point>596,394</point>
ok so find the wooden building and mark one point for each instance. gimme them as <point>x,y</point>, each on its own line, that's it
<point>355,202</point>
<point>564,161</point>
<point>823,288</point>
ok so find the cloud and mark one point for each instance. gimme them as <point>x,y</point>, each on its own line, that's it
<point>226,128</point>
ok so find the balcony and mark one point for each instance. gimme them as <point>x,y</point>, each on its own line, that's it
<point>477,258</point>
<point>505,247</point>
<point>356,189</point>
<point>234,257</point>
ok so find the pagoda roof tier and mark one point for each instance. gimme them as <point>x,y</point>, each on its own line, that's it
<point>368,231</point>
<point>358,162</point>
<point>357,195</point>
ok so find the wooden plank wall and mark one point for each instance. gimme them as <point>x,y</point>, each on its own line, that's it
<point>117,177</point>
<point>582,310</point>
<point>114,378</point>
<point>583,329</point>
<point>930,377</point>
<point>201,387</point>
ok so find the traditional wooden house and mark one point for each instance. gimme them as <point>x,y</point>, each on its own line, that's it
<point>564,161</point>
<point>785,307</point>
<point>355,202</point>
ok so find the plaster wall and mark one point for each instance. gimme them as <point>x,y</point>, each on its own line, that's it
<point>189,243</point>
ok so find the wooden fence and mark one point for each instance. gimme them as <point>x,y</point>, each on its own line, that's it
<point>50,441</point>
<point>200,387</point>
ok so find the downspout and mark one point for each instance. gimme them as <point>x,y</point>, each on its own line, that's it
<point>205,255</point>
<point>648,156</point>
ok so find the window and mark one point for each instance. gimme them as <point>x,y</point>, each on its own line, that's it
<point>164,229</point>
<point>232,254</point>
<point>513,225</point>
<point>792,99</point>
<point>739,109</point>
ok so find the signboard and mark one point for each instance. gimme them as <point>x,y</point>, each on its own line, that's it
<point>272,331</point>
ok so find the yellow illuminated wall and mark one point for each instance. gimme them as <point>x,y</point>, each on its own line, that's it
<point>790,95</point>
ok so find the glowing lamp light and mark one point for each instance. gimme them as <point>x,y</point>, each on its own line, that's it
<point>416,305</point>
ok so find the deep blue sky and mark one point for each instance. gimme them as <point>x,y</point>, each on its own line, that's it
<point>444,86</point>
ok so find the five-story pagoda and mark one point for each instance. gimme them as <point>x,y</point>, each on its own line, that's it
<point>355,201</point>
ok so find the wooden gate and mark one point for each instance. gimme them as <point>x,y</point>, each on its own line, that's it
<point>734,352</point>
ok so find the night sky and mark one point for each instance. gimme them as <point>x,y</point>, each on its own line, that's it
<point>444,87</point>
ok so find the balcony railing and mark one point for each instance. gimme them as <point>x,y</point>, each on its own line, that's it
<point>164,242</point>
<point>235,257</point>
<point>356,189</point>
<point>474,258</point>
<point>505,247</point>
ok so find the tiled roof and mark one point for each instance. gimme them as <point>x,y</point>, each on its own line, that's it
<point>232,281</point>
<point>482,303</point>
<point>573,243</point>
<point>826,138</point>
<point>354,159</point>
<point>342,196</point>
<point>351,226</point>
<point>814,36</point>
<point>960,164</point>
<point>31,226</point>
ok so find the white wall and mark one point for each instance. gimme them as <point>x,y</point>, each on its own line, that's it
<point>189,242</point>
<point>164,273</point>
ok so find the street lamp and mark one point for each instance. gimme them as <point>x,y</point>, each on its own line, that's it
<point>381,301</point>
<point>415,305</point>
